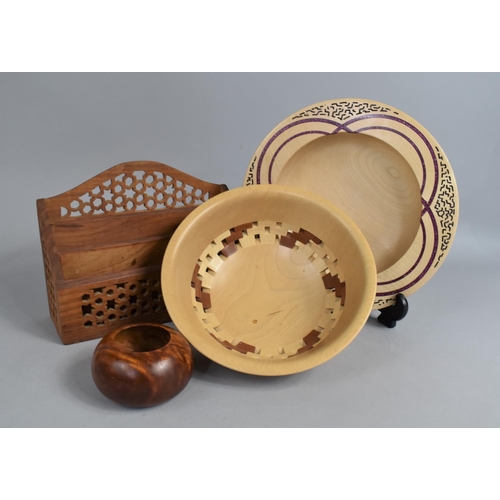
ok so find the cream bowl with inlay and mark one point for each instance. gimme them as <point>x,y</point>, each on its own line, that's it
<point>268,280</point>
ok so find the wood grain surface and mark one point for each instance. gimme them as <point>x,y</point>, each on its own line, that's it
<point>269,280</point>
<point>103,243</point>
<point>287,276</point>
<point>142,365</point>
<point>367,179</point>
<point>383,169</point>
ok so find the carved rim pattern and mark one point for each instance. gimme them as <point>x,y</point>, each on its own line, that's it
<point>135,191</point>
<point>263,232</point>
<point>438,188</point>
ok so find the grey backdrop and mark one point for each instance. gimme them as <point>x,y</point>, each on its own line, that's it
<point>439,368</point>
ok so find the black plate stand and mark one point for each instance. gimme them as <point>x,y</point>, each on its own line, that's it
<point>389,316</point>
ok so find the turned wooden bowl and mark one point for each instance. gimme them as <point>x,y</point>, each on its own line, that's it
<point>142,365</point>
<point>268,280</point>
<point>383,169</point>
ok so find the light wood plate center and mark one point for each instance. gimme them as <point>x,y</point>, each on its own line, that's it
<point>367,179</point>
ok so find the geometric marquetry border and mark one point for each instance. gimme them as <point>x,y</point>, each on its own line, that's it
<point>268,233</point>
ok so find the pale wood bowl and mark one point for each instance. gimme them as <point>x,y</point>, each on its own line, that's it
<point>268,280</point>
<point>383,169</point>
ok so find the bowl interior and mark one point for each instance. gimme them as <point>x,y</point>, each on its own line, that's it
<point>268,290</point>
<point>142,338</point>
<point>370,181</point>
<point>268,279</point>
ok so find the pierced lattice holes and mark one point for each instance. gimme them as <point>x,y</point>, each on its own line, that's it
<point>135,192</point>
<point>104,305</point>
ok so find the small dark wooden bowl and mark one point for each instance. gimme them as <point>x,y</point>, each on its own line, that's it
<point>142,365</point>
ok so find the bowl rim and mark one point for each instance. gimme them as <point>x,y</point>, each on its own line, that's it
<point>235,360</point>
<point>110,338</point>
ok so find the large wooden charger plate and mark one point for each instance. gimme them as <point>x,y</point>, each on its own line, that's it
<point>383,169</point>
<point>268,280</point>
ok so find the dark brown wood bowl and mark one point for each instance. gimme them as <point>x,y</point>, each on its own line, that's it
<point>142,365</point>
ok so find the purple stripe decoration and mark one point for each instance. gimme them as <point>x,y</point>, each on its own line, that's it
<point>421,158</point>
<point>419,258</point>
<point>284,129</point>
<point>321,132</point>
<point>426,269</point>
<point>332,127</point>
<point>414,129</point>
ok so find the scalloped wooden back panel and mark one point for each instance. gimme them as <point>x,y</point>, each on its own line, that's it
<point>103,243</point>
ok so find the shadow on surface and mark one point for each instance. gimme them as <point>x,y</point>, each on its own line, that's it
<point>206,370</point>
<point>372,320</point>
<point>79,382</point>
